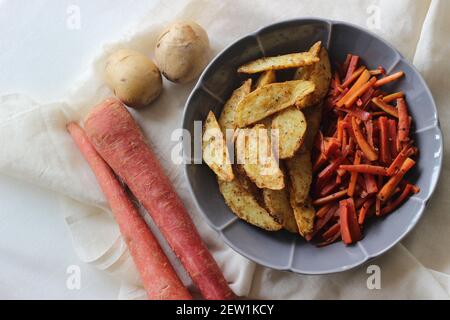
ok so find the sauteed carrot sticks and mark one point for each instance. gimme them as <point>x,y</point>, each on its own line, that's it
<point>362,153</point>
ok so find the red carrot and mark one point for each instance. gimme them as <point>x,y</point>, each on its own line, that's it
<point>398,161</point>
<point>332,231</point>
<point>350,229</point>
<point>330,198</point>
<point>385,107</point>
<point>392,128</point>
<point>158,277</point>
<point>119,140</point>
<point>323,211</point>
<point>359,92</point>
<point>365,168</point>
<point>353,77</point>
<point>389,188</point>
<point>393,97</point>
<point>368,151</point>
<point>371,184</point>
<point>385,151</point>
<point>364,209</point>
<point>354,176</point>
<point>352,67</point>
<point>389,79</point>
<point>398,201</point>
<point>403,120</point>
<point>357,112</point>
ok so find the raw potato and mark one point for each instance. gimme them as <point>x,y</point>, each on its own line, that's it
<point>320,74</point>
<point>304,215</point>
<point>254,152</point>
<point>291,125</point>
<point>313,117</point>
<point>271,99</point>
<point>227,119</point>
<point>133,78</point>
<point>300,174</point>
<point>266,78</point>
<point>182,51</point>
<point>278,205</point>
<point>215,151</point>
<point>245,206</point>
<point>292,60</point>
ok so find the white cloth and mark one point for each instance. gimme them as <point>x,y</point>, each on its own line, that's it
<point>35,147</point>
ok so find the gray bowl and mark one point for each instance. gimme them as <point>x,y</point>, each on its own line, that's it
<point>281,250</point>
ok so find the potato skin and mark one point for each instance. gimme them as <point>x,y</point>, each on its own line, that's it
<point>133,78</point>
<point>182,51</point>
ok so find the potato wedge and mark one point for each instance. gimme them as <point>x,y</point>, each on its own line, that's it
<point>300,173</point>
<point>254,152</point>
<point>313,116</point>
<point>287,61</point>
<point>320,74</point>
<point>304,215</point>
<point>245,206</point>
<point>248,184</point>
<point>214,148</point>
<point>227,117</point>
<point>267,77</point>
<point>278,205</point>
<point>290,127</point>
<point>271,99</point>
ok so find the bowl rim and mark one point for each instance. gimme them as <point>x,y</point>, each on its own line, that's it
<point>424,202</point>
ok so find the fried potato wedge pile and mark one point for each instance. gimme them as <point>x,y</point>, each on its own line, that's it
<point>272,127</point>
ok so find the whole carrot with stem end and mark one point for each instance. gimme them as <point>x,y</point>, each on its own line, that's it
<point>158,276</point>
<point>119,140</point>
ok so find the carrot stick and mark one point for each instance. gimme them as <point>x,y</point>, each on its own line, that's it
<point>332,231</point>
<point>350,229</point>
<point>368,151</point>
<point>357,112</point>
<point>353,77</point>
<point>344,220</point>
<point>385,107</point>
<point>392,128</point>
<point>354,176</point>
<point>330,240</point>
<point>328,188</point>
<point>339,130</point>
<point>321,222</point>
<point>385,152</point>
<point>323,211</point>
<point>331,168</point>
<point>371,184</point>
<point>365,76</point>
<point>344,67</point>
<point>398,161</point>
<point>398,201</point>
<point>393,97</point>
<point>158,276</point>
<point>351,67</point>
<point>389,79</point>
<point>364,209</point>
<point>318,164</point>
<point>359,92</point>
<point>119,140</point>
<point>389,188</point>
<point>403,120</point>
<point>330,198</point>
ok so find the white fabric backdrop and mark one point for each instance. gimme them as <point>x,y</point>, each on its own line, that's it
<point>35,147</point>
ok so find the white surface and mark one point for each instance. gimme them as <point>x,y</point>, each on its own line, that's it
<point>35,245</point>
<point>405,272</point>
